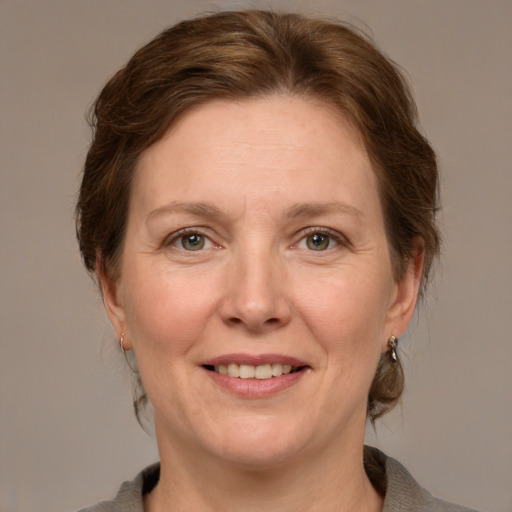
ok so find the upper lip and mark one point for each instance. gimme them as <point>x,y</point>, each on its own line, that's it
<point>253,360</point>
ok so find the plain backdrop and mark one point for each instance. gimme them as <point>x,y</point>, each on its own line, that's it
<point>67,433</point>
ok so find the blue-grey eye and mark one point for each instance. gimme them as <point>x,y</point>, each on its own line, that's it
<point>192,242</point>
<point>318,242</point>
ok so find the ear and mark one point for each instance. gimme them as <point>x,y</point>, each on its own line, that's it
<point>115,311</point>
<point>403,303</point>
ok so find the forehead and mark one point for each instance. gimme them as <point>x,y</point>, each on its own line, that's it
<point>282,146</point>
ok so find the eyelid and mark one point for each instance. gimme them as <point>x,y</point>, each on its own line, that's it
<point>170,240</point>
<point>340,239</point>
<point>333,234</point>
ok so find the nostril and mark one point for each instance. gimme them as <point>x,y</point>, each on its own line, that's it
<point>268,323</point>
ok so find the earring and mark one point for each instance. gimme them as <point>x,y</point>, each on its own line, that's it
<point>125,354</point>
<point>393,344</point>
<point>121,341</point>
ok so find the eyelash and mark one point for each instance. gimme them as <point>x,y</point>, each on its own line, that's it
<point>173,238</point>
<point>339,239</point>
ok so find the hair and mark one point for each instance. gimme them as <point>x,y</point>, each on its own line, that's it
<point>245,54</point>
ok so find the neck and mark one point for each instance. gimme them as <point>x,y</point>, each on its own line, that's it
<point>330,481</point>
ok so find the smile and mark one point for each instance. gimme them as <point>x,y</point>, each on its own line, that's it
<point>255,376</point>
<point>247,371</point>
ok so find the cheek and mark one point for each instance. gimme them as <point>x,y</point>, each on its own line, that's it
<point>167,311</point>
<point>346,311</point>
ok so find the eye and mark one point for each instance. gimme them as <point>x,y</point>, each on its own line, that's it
<point>320,240</point>
<point>192,242</point>
<point>189,240</point>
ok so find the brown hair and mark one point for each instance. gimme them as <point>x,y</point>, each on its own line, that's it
<point>242,54</point>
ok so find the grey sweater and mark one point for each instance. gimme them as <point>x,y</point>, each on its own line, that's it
<point>402,493</point>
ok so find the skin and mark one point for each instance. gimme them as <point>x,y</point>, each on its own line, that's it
<point>272,172</point>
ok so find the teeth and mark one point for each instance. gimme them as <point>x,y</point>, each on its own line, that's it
<point>222,369</point>
<point>263,371</point>
<point>247,371</point>
<point>277,370</point>
<point>233,370</point>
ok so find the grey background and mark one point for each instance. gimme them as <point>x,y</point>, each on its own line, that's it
<point>67,433</point>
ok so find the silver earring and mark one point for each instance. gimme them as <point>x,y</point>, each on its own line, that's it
<point>125,354</point>
<point>393,344</point>
<point>121,341</point>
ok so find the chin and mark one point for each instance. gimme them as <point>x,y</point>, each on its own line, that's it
<point>258,444</point>
<point>261,456</point>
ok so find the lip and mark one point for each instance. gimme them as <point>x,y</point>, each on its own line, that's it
<point>253,360</point>
<point>255,388</point>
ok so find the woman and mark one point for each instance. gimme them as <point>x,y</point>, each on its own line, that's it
<point>259,210</point>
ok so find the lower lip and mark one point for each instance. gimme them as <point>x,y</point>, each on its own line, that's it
<point>256,388</point>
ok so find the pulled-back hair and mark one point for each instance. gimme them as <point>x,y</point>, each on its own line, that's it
<point>245,54</point>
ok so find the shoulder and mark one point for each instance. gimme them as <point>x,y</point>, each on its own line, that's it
<point>129,496</point>
<point>402,492</point>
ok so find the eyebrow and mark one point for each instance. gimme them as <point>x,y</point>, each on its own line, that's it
<point>208,210</point>
<point>318,209</point>
<point>199,209</point>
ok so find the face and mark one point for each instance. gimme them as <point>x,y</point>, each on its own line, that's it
<point>256,285</point>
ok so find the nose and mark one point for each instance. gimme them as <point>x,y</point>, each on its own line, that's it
<point>255,296</point>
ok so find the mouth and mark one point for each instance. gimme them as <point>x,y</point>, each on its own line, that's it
<point>264,371</point>
<point>255,376</point>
